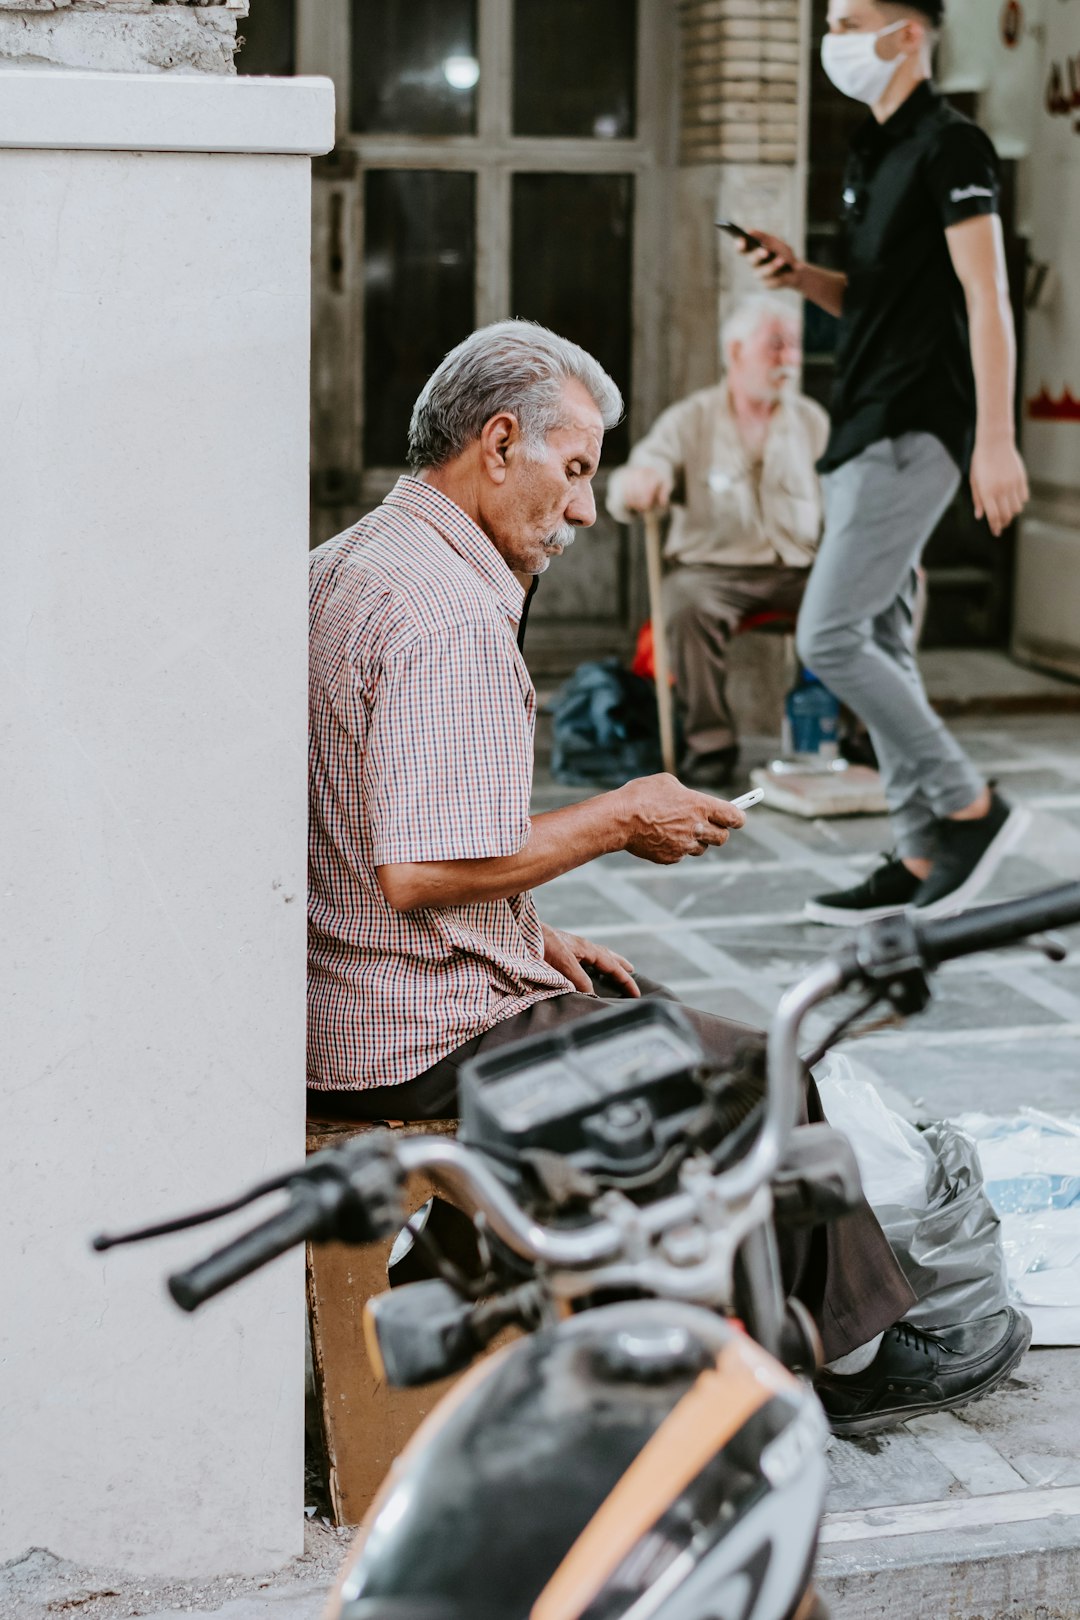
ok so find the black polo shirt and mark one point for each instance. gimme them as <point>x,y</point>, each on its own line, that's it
<point>903,359</point>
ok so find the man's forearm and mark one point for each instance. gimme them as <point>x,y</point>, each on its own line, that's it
<point>993,360</point>
<point>825,288</point>
<point>559,841</point>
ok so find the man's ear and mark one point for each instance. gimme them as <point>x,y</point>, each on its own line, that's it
<point>915,38</point>
<point>497,437</point>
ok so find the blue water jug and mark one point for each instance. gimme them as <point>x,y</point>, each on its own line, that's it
<point>811,719</point>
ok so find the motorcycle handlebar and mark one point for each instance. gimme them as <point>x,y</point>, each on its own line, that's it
<point>309,1214</point>
<point>1003,924</point>
<point>318,1196</point>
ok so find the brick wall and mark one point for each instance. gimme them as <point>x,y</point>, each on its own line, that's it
<point>740,81</point>
<point>121,36</point>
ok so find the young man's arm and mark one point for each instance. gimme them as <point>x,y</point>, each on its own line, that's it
<point>655,818</point>
<point>779,268</point>
<point>998,480</point>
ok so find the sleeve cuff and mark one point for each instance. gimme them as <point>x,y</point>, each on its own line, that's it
<point>406,851</point>
<point>957,210</point>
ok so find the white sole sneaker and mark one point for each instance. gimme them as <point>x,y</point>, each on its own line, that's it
<point>1011,833</point>
<point>843,917</point>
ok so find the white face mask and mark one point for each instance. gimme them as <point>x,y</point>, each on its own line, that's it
<point>852,63</point>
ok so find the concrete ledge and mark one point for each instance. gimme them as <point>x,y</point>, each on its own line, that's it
<point>134,112</point>
<point>980,681</point>
<point>1025,1571</point>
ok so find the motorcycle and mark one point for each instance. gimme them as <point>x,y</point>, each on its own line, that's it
<point>649,1447</point>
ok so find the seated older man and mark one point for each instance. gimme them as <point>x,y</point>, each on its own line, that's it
<point>736,465</point>
<point>425,943</point>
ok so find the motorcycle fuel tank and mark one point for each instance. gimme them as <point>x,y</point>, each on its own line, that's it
<point>644,1460</point>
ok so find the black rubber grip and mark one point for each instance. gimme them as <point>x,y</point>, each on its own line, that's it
<point>1004,924</point>
<point>303,1218</point>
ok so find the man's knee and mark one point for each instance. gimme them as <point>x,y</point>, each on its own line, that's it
<point>686,615</point>
<point>823,647</point>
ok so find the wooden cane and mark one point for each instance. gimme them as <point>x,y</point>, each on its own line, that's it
<point>664,705</point>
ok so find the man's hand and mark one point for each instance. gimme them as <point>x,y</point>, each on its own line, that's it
<point>645,489</point>
<point>999,484</point>
<point>779,268</point>
<point>776,264</point>
<point>567,952</point>
<point>668,821</point>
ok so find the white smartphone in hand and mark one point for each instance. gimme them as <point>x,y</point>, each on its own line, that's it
<point>745,800</point>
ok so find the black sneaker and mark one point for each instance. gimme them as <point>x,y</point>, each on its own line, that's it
<point>915,1373</point>
<point>968,855</point>
<point>888,890</point>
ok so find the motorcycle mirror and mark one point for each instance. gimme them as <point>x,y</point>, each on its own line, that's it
<point>418,1333</point>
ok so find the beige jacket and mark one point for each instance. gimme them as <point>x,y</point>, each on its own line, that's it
<point>724,509</point>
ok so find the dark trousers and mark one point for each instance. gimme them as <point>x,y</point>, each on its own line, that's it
<point>704,604</point>
<point>845,1274</point>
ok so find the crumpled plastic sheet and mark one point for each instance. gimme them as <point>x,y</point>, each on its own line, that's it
<point>1032,1165</point>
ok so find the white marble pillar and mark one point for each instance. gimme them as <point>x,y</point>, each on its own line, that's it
<point>154,256</point>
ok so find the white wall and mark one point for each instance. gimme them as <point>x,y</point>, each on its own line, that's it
<point>975,56</point>
<point>1046,626</point>
<point>153,520</point>
<point>1053,329</point>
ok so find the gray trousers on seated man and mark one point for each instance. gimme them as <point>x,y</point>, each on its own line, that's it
<point>704,604</point>
<point>856,628</point>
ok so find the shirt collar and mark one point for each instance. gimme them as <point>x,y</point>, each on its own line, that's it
<point>461,535</point>
<point>922,100</point>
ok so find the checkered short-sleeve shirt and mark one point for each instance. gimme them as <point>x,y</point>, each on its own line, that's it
<point>421,744</point>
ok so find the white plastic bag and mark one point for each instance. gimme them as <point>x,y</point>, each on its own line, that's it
<point>895,1162</point>
<point>926,1189</point>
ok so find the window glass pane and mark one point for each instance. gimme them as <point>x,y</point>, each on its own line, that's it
<point>269,38</point>
<point>580,287</point>
<point>575,66</point>
<point>419,269</point>
<point>414,66</point>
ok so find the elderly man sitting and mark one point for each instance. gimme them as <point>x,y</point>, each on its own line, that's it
<point>425,946</point>
<point>736,462</point>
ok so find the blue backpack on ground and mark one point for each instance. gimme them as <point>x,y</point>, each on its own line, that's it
<point>606,727</point>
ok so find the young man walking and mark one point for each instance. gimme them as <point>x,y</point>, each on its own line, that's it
<point>925,372</point>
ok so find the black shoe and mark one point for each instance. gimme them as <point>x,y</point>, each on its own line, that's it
<point>710,771</point>
<point>968,855</point>
<point>888,890</point>
<point>915,1372</point>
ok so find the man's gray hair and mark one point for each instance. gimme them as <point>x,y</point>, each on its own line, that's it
<point>753,312</point>
<point>514,366</point>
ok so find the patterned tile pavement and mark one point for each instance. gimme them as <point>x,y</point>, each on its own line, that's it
<point>962,1515</point>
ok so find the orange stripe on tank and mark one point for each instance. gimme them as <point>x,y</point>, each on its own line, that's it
<point>701,1424</point>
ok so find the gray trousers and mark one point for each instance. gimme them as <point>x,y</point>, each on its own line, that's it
<point>703,606</point>
<point>856,627</point>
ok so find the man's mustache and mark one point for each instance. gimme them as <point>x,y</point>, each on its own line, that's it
<point>562,537</point>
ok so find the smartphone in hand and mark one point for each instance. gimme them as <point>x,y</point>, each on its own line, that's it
<point>750,242</point>
<point>729,227</point>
